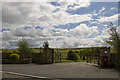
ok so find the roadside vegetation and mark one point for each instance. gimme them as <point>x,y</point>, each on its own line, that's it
<point>114,42</point>
<point>82,54</point>
<point>24,49</point>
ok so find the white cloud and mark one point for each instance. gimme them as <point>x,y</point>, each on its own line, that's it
<point>79,5</point>
<point>103,9</point>
<point>21,14</point>
<point>113,8</point>
<point>32,35</point>
<point>6,36</point>
<point>104,36</point>
<point>60,32</point>
<point>94,22</point>
<point>106,25</point>
<point>94,13</point>
<point>107,19</point>
<point>11,38</point>
<point>36,37</point>
<point>16,14</point>
<point>94,30</point>
<point>84,30</point>
<point>64,4</point>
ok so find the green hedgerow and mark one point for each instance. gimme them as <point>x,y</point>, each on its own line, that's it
<point>14,56</point>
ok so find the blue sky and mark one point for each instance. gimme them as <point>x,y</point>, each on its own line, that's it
<point>62,24</point>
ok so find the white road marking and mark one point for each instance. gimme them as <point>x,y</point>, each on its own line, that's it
<point>25,75</point>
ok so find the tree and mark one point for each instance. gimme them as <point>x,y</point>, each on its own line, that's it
<point>72,56</point>
<point>46,44</point>
<point>24,48</point>
<point>83,54</point>
<point>114,40</point>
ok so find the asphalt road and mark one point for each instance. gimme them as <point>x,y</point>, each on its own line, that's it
<point>61,70</point>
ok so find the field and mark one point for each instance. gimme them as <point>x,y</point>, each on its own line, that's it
<point>37,50</point>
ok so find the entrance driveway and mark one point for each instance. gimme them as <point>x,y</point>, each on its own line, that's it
<point>61,70</point>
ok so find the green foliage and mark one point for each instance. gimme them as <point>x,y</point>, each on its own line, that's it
<point>114,39</point>
<point>84,52</point>
<point>72,56</point>
<point>24,48</point>
<point>46,44</point>
<point>14,56</point>
<point>88,52</point>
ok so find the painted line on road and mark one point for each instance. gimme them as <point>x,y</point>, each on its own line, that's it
<point>25,75</point>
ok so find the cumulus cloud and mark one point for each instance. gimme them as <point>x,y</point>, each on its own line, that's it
<point>79,5</point>
<point>7,36</point>
<point>24,13</point>
<point>59,41</point>
<point>107,19</point>
<point>15,13</point>
<point>32,35</point>
<point>36,37</point>
<point>84,30</point>
<point>16,16</point>
<point>61,32</point>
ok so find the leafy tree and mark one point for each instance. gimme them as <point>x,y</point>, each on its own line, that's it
<point>46,44</point>
<point>114,39</point>
<point>82,54</point>
<point>88,53</point>
<point>72,56</point>
<point>24,48</point>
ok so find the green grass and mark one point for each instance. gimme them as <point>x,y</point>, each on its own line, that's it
<point>73,60</point>
<point>68,61</point>
<point>63,54</point>
<point>9,50</point>
<point>37,50</point>
<point>15,50</point>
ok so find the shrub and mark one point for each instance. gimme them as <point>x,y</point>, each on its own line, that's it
<point>24,49</point>
<point>72,56</point>
<point>14,56</point>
